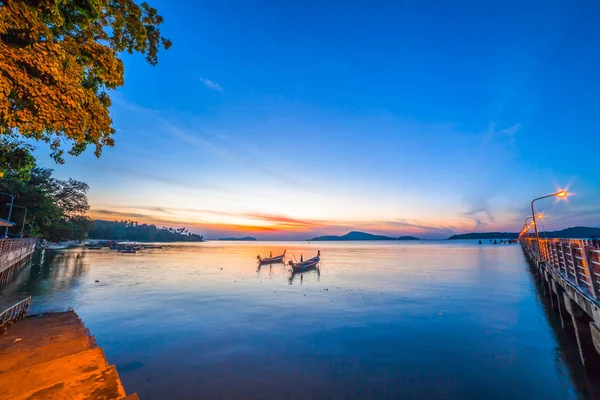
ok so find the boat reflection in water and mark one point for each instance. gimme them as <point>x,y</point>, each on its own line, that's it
<point>295,274</point>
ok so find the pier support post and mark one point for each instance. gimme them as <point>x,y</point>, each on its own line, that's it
<point>575,311</point>
<point>551,290</point>
<point>595,331</point>
<point>559,298</point>
<point>595,328</point>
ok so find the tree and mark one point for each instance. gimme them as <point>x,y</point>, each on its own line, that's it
<point>55,208</point>
<point>81,226</point>
<point>15,156</point>
<point>58,60</point>
<point>131,230</point>
<point>71,197</point>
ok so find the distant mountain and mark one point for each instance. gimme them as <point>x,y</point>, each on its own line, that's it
<point>583,232</point>
<point>354,235</point>
<point>569,233</point>
<point>242,239</point>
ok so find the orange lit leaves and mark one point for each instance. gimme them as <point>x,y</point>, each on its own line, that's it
<point>54,73</point>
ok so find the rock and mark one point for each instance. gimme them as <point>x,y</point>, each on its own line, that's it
<point>17,340</point>
<point>97,281</point>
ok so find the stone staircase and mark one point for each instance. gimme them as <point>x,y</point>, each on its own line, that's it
<point>53,356</point>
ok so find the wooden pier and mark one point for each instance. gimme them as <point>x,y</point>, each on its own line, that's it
<point>571,270</point>
<point>14,253</point>
<point>53,356</point>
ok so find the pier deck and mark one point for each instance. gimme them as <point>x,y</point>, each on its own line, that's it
<point>53,356</point>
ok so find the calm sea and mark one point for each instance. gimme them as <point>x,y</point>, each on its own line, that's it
<point>414,320</point>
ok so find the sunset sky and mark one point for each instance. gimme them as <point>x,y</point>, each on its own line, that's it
<point>286,120</point>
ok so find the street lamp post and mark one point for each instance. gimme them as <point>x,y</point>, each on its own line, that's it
<point>24,217</point>
<point>12,200</point>
<point>561,194</point>
<point>539,216</point>
<point>528,225</point>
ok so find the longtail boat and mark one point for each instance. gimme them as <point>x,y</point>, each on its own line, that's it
<point>306,265</point>
<point>271,260</point>
<point>128,251</point>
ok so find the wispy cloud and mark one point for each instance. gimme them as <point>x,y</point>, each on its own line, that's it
<point>229,153</point>
<point>476,215</point>
<point>511,131</point>
<point>212,85</point>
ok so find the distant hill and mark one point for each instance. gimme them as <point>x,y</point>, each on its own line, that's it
<point>355,235</point>
<point>569,233</point>
<point>242,239</point>
<point>583,232</point>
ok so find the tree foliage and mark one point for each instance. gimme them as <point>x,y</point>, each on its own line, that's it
<point>131,230</point>
<point>55,208</point>
<point>58,60</point>
<point>15,155</point>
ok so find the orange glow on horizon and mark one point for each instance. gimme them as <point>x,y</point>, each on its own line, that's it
<point>218,223</point>
<point>275,224</point>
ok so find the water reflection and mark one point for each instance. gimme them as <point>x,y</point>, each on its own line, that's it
<point>49,272</point>
<point>295,274</point>
<point>452,320</point>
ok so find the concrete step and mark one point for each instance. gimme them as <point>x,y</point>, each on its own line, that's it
<point>49,373</point>
<point>26,357</point>
<point>40,338</point>
<point>97,385</point>
<point>34,334</point>
<point>51,317</point>
<point>40,320</point>
<point>41,323</point>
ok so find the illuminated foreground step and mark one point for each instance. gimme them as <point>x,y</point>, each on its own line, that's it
<point>53,356</point>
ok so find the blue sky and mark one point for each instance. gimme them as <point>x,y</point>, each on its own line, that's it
<point>288,120</point>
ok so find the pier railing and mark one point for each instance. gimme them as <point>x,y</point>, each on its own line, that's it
<point>13,251</point>
<point>13,314</point>
<point>577,260</point>
<point>8,245</point>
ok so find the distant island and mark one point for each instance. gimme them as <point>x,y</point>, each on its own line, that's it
<point>569,233</point>
<point>242,239</point>
<point>355,235</point>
